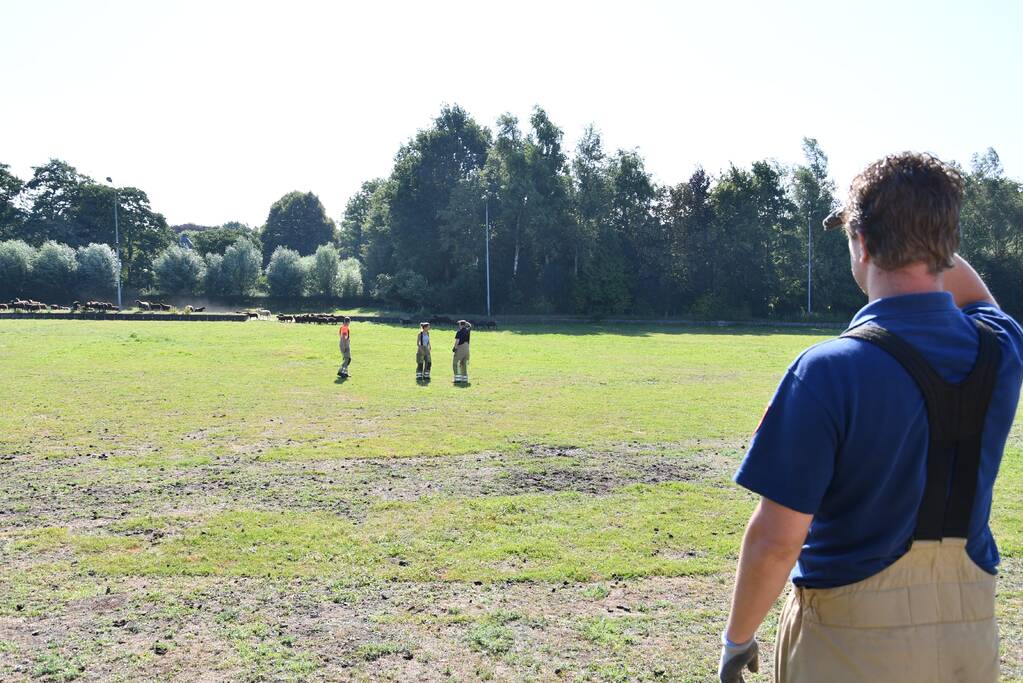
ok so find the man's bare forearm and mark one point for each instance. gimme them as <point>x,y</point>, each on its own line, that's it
<point>770,548</point>
<point>965,285</point>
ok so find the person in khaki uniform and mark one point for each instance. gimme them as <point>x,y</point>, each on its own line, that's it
<point>460,358</point>
<point>876,459</point>
<point>423,348</point>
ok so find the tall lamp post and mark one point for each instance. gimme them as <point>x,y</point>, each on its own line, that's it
<point>809,267</point>
<point>487,210</point>
<point>117,240</point>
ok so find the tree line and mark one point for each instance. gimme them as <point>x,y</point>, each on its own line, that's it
<point>587,232</point>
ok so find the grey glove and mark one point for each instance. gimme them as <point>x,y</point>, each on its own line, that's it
<point>735,658</point>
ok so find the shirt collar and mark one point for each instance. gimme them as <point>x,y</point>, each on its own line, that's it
<point>907,304</point>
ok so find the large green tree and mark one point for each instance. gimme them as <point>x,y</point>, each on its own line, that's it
<point>992,228</point>
<point>426,172</point>
<point>297,221</point>
<point>351,236</point>
<point>144,234</point>
<point>53,195</point>
<point>834,291</point>
<point>11,215</point>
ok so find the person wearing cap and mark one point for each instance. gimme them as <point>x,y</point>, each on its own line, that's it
<point>876,459</point>
<point>423,359</point>
<point>345,345</point>
<point>460,353</point>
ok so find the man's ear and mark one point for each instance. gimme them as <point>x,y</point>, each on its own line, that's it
<point>862,253</point>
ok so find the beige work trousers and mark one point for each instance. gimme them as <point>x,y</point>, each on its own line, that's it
<point>928,618</point>
<point>460,360</point>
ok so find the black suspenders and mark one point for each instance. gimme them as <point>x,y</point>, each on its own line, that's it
<point>955,415</point>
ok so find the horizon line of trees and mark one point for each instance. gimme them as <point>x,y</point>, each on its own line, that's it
<point>587,231</point>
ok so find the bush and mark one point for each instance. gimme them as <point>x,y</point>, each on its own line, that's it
<point>410,289</point>
<point>179,270</point>
<point>325,275</point>
<point>16,258</point>
<point>240,267</point>
<point>98,270</point>
<point>54,271</point>
<point>350,278</point>
<point>213,281</point>
<point>286,273</point>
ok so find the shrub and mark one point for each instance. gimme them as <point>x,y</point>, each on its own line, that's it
<point>16,258</point>
<point>324,277</point>
<point>54,271</point>
<point>410,289</point>
<point>350,278</point>
<point>98,270</point>
<point>179,270</point>
<point>213,282</point>
<point>286,273</point>
<point>240,267</point>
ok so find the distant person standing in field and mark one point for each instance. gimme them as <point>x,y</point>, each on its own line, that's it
<point>876,460</point>
<point>423,358</point>
<point>460,362</point>
<point>345,345</point>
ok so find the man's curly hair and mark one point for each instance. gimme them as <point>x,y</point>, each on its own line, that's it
<point>907,208</point>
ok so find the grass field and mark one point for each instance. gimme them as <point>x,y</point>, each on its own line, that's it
<point>207,502</point>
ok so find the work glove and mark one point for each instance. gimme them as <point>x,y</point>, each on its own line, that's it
<point>735,658</point>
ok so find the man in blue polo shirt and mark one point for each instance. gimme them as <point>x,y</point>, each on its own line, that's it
<point>873,482</point>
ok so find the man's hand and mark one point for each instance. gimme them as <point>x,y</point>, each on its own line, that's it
<point>735,658</point>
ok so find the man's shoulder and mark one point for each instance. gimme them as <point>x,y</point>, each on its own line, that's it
<point>828,355</point>
<point>1005,327</point>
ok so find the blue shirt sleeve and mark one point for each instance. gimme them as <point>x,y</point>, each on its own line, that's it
<point>791,458</point>
<point>1005,327</point>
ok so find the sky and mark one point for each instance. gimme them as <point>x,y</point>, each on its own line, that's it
<point>218,108</point>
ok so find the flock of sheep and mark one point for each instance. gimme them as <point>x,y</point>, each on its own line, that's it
<point>33,305</point>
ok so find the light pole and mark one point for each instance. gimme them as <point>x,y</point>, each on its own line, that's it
<point>809,267</point>
<point>117,241</point>
<point>487,210</point>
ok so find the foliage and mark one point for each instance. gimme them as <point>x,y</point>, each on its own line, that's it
<point>350,278</point>
<point>286,273</point>
<point>16,259</point>
<point>217,240</point>
<point>240,268</point>
<point>179,270</point>
<point>297,221</point>
<point>54,271</point>
<point>11,215</point>
<point>324,275</point>
<point>98,270</point>
<point>588,232</point>
<point>214,281</point>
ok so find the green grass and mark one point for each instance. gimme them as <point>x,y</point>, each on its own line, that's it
<point>186,498</point>
<point>147,394</point>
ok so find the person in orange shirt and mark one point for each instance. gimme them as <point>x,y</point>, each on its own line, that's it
<point>345,345</point>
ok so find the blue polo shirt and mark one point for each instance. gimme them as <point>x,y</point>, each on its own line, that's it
<point>845,437</point>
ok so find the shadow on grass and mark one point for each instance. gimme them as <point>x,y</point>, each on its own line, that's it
<point>680,328</point>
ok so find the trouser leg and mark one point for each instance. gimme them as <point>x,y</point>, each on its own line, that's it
<point>427,362</point>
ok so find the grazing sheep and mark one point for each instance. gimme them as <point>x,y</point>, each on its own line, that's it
<point>3,307</point>
<point>188,309</point>
<point>285,318</point>
<point>200,309</point>
<point>144,305</point>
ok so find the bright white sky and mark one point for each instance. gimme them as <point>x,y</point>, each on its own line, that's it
<point>216,109</point>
